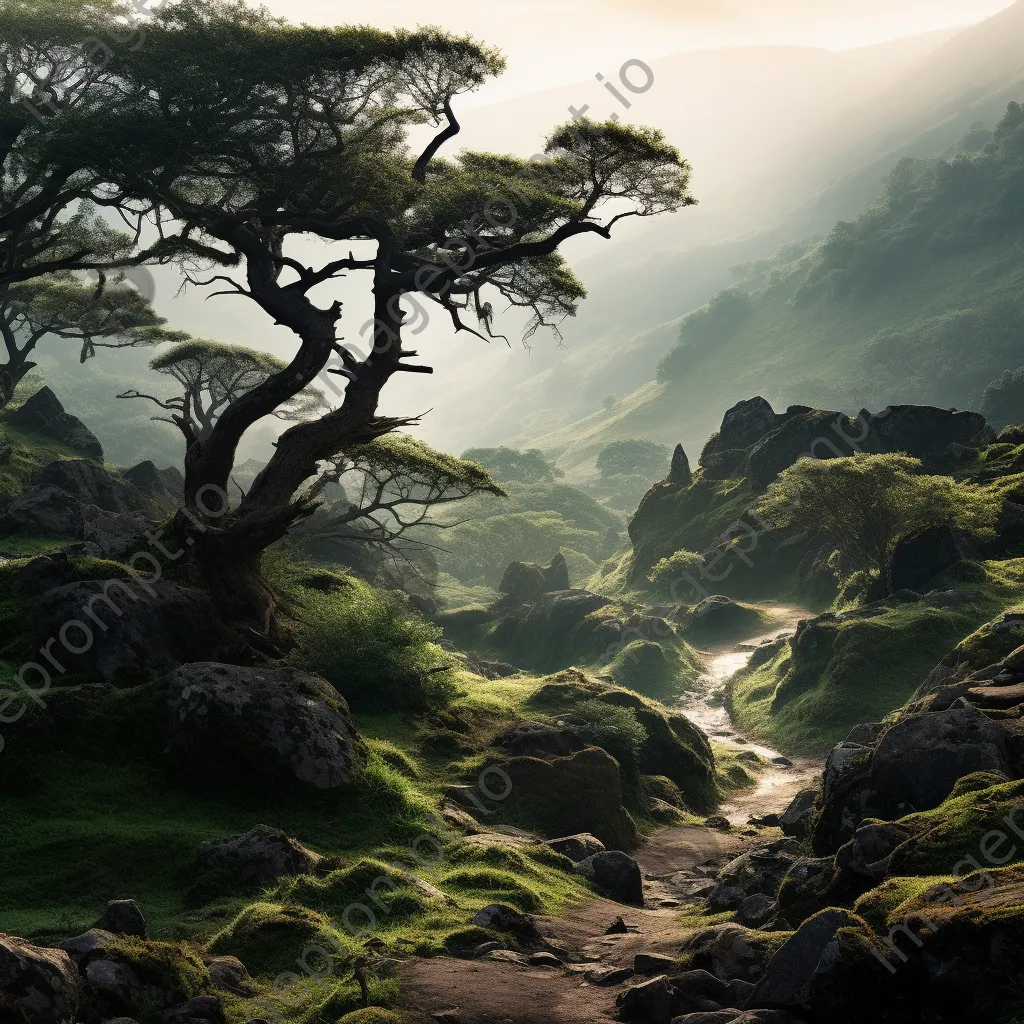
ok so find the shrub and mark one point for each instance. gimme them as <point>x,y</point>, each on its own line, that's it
<point>615,729</point>
<point>681,565</point>
<point>374,648</point>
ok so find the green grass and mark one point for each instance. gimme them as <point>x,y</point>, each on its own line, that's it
<point>873,667</point>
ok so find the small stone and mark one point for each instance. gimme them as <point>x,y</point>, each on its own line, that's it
<point>94,941</point>
<point>484,948</point>
<point>608,976</point>
<point>543,960</point>
<point>652,963</point>
<point>507,956</point>
<point>719,823</point>
<point>501,918</point>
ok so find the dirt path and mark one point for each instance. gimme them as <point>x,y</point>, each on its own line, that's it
<point>677,864</point>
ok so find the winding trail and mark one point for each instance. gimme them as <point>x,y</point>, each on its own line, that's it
<point>677,864</point>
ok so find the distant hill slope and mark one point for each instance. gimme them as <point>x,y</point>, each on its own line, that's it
<point>920,300</point>
<point>828,166</point>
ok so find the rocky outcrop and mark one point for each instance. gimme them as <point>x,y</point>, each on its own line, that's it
<point>258,857</point>
<point>37,986</point>
<point>914,767</point>
<point>54,512</point>
<point>255,728</point>
<point>680,474</point>
<point>525,582</point>
<point>43,414</point>
<point>132,630</point>
<point>91,485</point>
<point>166,487</point>
<point>921,556</point>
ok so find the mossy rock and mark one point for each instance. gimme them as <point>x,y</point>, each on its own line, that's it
<point>581,793</point>
<point>368,881</point>
<point>674,748</point>
<point>371,1015</point>
<point>173,967</point>
<point>465,939</point>
<point>646,667</point>
<point>265,936</point>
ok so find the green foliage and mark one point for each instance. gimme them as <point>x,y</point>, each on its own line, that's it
<point>370,644</point>
<point>480,550</point>
<point>700,331</point>
<point>681,565</point>
<point>615,729</point>
<point>511,466</point>
<point>1003,401</point>
<point>861,667</point>
<point>634,456</point>
<point>864,504</point>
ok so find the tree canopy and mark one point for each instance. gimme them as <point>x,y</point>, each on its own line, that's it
<point>864,504</point>
<point>249,135</point>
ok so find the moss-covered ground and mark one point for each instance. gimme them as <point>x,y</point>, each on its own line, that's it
<point>867,664</point>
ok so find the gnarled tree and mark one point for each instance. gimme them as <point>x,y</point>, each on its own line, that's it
<point>259,134</point>
<point>210,377</point>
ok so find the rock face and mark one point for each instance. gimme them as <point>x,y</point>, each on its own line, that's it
<point>37,986</point>
<point>616,874</point>
<point>130,630</point>
<point>524,582</point>
<point>57,513</point>
<point>44,414</point>
<point>46,510</point>
<point>795,820</point>
<point>257,727</point>
<point>787,981</point>
<point>261,855</point>
<point>582,793</point>
<point>90,484</point>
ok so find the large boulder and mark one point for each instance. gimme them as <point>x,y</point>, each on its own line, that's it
<point>915,766</point>
<point>536,739</point>
<point>54,512</point>
<point>576,848</point>
<point>44,414</point>
<point>615,874</point>
<point>254,727</point>
<point>730,951</point>
<point>796,819</point>
<point>743,426</point>
<point>132,630</point>
<point>787,980</point>
<point>91,484</point>
<point>37,986</point>
<point>123,917</point>
<point>45,510</point>
<point>260,856</point>
<point>581,793</point>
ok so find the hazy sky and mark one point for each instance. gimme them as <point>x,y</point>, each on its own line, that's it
<point>549,42</point>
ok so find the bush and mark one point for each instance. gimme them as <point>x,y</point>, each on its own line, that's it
<point>377,652</point>
<point>615,729</point>
<point>678,566</point>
